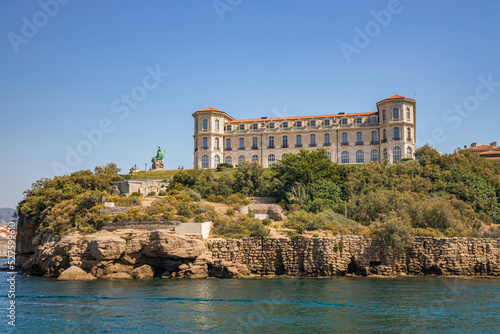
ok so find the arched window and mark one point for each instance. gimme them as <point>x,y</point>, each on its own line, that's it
<point>229,160</point>
<point>344,157</point>
<point>216,161</point>
<point>255,158</point>
<point>408,134</point>
<point>205,143</point>
<point>374,155</point>
<point>271,159</point>
<point>216,143</point>
<point>344,138</point>
<point>216,124</point>
<point>386,156</point>
<point>282,156</point>
<point>396,154</point>
<point>383,115</point>
<point>360,157</point>
<point>313,140</point>
<point>205,163</point>
<point>408,153</point>
<point>329,155</point>
<point>395,113</point>
<point>241,158</point>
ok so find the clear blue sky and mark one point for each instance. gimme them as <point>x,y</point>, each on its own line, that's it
<point>75,69</point>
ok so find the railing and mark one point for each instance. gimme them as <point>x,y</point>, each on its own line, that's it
<point>359,143</point>
<point>255,147</point>
<point>374,142</point>
<point>327,144</point>
<point>241,148</point>
<point>204,148</point>
<point>298,145</point>
<point>384,140</point>
<point>344,144</point>
<point>396,138</point>
<point>312,145</point>
<point>284,146</point>
<point>270,146</point>
<point>228,149</point>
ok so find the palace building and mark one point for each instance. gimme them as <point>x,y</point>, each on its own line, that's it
<point>357,138</point>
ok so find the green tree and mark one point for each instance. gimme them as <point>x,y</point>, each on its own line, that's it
<point>250,180</point>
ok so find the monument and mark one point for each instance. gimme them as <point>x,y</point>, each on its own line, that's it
<point>157,161</point>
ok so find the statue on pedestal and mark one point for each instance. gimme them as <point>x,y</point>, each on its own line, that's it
<point>157,161</point>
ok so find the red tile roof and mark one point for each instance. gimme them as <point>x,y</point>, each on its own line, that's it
<point>210,109</point>
<point>303,117</point>
<point>395,97</point>
<point>214,110</point>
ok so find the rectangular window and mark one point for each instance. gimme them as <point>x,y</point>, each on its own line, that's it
<point>285,124</point>
<point>344,138</point>
<point>205,143</point>
<point>205,124</point>
<point>358,120</point>
<point>383,115</point>
<point>299,140</point>
<point>242,144</point>
<point>242,127</point>
<point>271,125</point>
<point>216,124</point>
<point>271,142</point>
<point>229,128</point>
<point>228,143</point>
<point>299,124</point>
<point>254,143</point>
<point>344,121</point>
<point>374,119</point>
<point>395,113</point>
<point>255,126</point>
<point>408,113</point>
<point>327,122</point>
<point>285,141</point>
<point>313,139</point>
<point>313,123</point>
<point>327,138</point>
<point>396,133</point>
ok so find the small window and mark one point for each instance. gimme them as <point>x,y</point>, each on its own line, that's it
<point>229,128</point>
<point>228,143</point>
<point>255,126</point>
<point>374,155</point>
<point>344,157</point>
<point>408,153</point>
<point>216,124</point>
<point>327,122</point>
<point>374,119</point>
<point>313,139</point>
<point>216,143</point>
<point>241,158</point>
<point>285,141</point>
<point>358,120</point>
<point>344,121</point>
<point>408,134</point>
<point>205,125</point>
<point>408,114</point>
<point>242,127</point>
<point>374,137</point>
<point>254,143</point>
<point>384,134</point>
<point>216,161</point>
<point>271,125</point>
<point>329,155</point>
<point>386,156</point>
<point>359,137</point>
<point>395,113</point>
<point>327,138</point>
<point>299,124</point>
<point>285,124</point>
<point>271,142</point>
<point>313,123</point>
<point>255,158</point>
<point>229,160</point>
<point>396,133</point>
<point>299,140</point>
<point>205,143</point>
<point>383,115</point>
<point>242,143</point>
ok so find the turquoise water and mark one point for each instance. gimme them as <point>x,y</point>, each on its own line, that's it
<point>343,305</point>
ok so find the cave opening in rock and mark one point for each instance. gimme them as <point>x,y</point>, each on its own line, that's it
<point>352,267</point>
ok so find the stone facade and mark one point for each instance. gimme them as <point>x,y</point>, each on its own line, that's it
<point>386,134</point>
<point>144,187</point>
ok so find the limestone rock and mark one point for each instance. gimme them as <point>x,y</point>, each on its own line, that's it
<point>74,273</point>
<point>164,244</point>
<point>120,275</point>
<point>143,272</point>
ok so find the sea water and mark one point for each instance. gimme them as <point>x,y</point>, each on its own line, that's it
<point>284,305</point>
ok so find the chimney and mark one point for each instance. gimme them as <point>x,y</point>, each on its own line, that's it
<point>494,143</point>
<point>474,145</point>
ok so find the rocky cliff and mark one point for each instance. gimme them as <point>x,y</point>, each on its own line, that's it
<point>145,254</point>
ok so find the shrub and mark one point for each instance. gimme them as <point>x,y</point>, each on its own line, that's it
<point>162,193</point>
<point>135,194</point>
<point>222,166</point>
<point>152,193</point>
<point>266,222</point>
